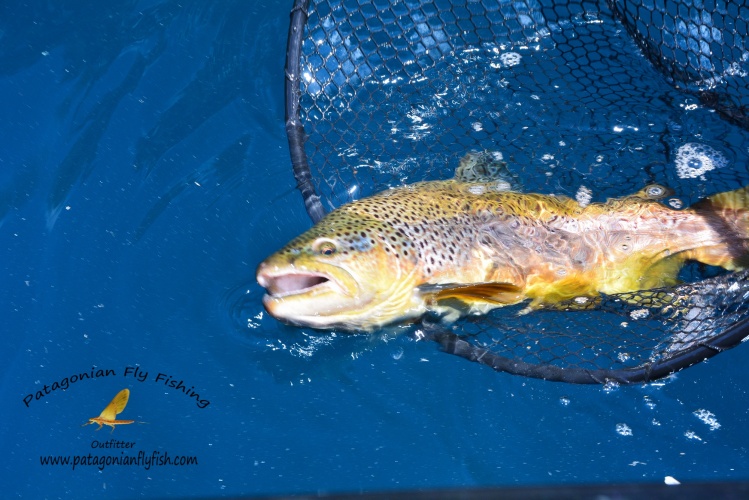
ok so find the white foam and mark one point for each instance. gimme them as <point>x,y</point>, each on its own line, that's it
<point>639,314</point>
<point>693,160</point>
<point>610,386</point>
<point>623,429</point>
<point>708,418</point>
<point>692,435</point>
<point>583,196</point>
<point>510,59</point>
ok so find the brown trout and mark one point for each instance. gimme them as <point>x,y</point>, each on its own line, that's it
<point>467,246</point>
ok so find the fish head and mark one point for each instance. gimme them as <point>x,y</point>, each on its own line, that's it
<point>350,271</point>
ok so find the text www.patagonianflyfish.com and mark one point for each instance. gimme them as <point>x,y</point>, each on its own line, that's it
<point>142,459</point>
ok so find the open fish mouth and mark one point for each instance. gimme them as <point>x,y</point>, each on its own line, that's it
<point>284,285</point>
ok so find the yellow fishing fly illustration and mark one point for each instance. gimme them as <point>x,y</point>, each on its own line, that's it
<point>109,415</point>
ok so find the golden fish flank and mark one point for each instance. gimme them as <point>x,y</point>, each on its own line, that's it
<point>456,248</point>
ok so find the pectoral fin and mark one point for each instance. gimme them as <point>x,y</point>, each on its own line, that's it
<point>476,296</point>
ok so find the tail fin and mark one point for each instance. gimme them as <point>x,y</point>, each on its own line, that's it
<point>728,215</point>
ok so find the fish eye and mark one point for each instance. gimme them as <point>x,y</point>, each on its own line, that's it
<point>325,247</point>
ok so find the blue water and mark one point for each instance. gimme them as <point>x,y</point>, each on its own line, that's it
<point>144,173</point>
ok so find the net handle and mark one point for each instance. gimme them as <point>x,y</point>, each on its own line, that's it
<point>294,129</point>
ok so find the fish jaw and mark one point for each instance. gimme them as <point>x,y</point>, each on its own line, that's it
<point>317,298</point>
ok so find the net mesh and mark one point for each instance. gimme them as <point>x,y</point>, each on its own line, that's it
<point>587,99</point>
<point>630,337</point>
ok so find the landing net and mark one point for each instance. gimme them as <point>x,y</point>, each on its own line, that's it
<point>586,99</point>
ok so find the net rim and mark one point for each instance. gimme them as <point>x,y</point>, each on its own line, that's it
<point>452,343</point>
<point>294,128</point>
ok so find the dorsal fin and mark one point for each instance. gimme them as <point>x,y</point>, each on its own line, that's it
<point>485,166</point>
<point>738,199</point>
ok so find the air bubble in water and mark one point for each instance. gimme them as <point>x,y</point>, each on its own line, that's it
<point>708,418</point>
<point>623,430</point>
<point>675,203</point>
<point>610,386</point>
<point>692,435</point>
